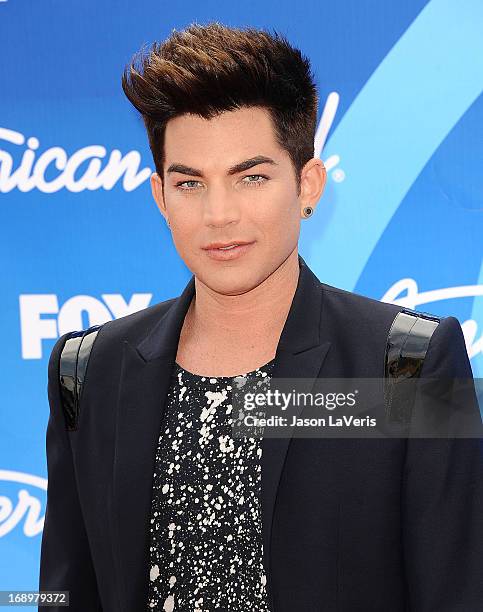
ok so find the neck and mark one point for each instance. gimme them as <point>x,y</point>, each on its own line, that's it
<point>262,310</point>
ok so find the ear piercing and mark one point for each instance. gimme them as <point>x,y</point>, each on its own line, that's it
<point>308,210</point>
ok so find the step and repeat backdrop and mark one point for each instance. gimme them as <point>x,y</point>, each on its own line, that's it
<point>82,241</point>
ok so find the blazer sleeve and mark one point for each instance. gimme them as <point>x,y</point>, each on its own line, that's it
<point>443,498</point>
<point>65,558</point>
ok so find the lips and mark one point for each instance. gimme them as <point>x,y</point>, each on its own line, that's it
<point>230,252</point>
<point>225,245</point>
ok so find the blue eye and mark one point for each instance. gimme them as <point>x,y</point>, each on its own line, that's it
<point>264,178</point>
<point>188,188</point>
<point>256,182</point>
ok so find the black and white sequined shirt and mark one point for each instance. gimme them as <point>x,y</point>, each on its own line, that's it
<point>206,546</point>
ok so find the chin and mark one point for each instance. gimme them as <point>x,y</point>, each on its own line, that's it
<point>229,280</point>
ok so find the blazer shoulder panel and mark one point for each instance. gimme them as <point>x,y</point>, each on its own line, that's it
<point>74,359</point>
<point>407,344</point>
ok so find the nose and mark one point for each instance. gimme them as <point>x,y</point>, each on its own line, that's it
<point>220,207</point>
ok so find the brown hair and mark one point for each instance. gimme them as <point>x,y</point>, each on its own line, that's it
<point>208,69</point>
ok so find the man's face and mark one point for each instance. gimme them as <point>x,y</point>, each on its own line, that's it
<point>205,203</point>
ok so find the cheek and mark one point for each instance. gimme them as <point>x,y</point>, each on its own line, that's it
<point>187,235</point>
<point>182,234</point>
<point>277,217</point>
<point>184,224</point>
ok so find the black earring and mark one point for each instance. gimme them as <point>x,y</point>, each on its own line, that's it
<point>308,210</point>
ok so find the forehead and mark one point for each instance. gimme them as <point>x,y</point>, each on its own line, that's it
<point>228,135</point>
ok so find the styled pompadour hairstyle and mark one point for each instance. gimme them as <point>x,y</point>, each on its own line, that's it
<point>209,69</point>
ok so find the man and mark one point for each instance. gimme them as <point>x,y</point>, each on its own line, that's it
<point>344,524</point>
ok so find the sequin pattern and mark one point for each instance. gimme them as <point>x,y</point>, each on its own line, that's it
<point>206,546</point>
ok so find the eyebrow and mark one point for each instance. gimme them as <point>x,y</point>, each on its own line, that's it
<point>241,167</point>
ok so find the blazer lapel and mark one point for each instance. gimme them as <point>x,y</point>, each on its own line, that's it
<point>145,379</point>
<point>301,352</point>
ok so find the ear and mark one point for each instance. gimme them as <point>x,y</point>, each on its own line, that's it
<point>157,191</point>
<point>312,182</point>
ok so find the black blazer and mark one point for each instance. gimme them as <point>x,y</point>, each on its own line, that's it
<point>349,525</point>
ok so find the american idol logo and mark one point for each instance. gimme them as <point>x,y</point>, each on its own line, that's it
<point>23,508</point>
<point>31,173</point>
<point>413,298</point>
<point>102,170</point>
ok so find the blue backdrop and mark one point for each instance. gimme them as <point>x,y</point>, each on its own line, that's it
<point>400,131</point>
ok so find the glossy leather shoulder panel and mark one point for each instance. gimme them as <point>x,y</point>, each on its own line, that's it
<point>72,369</point>
<point>406,347</point>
